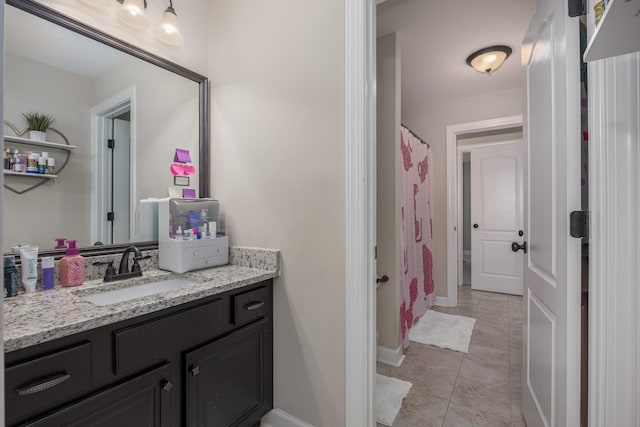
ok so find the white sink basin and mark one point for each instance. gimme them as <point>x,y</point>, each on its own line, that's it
<point>139,291</point>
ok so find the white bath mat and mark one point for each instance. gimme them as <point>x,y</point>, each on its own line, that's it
<point>389,395</point>
<point>443,330</point>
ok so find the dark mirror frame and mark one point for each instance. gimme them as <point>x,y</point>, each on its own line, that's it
<point>58,18</point>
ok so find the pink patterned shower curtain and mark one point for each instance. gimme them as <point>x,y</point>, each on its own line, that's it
<point>416,237</point>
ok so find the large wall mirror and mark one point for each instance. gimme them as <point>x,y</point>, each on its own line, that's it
<point>97,88</point>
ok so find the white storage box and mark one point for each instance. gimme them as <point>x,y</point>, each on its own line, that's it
<point>176,251</point>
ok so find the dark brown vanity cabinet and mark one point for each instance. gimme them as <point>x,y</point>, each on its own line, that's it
<point>144,401</point>
<point>204,363</point>
<point>225,379</point>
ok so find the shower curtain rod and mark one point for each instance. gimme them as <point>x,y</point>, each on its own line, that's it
<point>414,134</point>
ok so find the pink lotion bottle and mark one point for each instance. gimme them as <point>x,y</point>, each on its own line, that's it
<point>72,266</point>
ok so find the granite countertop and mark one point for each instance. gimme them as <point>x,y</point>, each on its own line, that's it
<point>31,319</point>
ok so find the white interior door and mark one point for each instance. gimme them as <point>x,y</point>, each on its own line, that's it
<point>551,323</point>
<point>496,217</point>
<point>121,184</point>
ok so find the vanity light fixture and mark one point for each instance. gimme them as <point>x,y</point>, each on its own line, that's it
<point>132,13</point>
<point>168,31</point>
<point>489,59</point>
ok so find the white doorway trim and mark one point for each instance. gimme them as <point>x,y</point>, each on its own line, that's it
<point>360,221</point>
<point>98,135</point>
<point>460,200</point>
<point>453,132</point>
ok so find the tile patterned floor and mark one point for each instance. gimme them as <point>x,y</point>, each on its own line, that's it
<point>477,389</point>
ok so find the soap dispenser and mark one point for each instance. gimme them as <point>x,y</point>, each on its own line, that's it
<point>72,266</point>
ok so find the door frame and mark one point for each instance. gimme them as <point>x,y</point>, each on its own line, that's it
<point>453,132</point>
<point>360,212</point>
<point>99,114</point>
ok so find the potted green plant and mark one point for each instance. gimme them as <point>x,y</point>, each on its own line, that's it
<point>37,124</point>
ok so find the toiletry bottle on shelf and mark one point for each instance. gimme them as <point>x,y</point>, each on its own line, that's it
<point>51,166</point>
<point>72,266</point>
<point>42,165</point>
<point>8,159</point>
<point>32,163</point>
<point>17,161</point>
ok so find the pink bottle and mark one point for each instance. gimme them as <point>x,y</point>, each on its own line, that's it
<point>72,266</point>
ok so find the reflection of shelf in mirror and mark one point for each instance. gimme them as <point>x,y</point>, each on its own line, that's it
<point>618,32</point>
<point>29,175</point>
<point>18,140</point>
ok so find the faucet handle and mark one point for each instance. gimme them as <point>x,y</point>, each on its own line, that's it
<point>135,267</point>
<point>110,272</point>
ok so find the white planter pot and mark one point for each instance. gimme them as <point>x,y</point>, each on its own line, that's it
<point>36,135</point>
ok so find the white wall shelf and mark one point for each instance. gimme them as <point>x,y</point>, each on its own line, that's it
<point>618,32</point>
<point>46,144</point>
<point>30,175</point>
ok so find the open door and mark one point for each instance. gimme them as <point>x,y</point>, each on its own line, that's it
<point>551,323</point>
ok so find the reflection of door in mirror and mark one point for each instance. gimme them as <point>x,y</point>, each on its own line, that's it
<point>113,146</point>
<point>119,177</point>
<point>113,222</point>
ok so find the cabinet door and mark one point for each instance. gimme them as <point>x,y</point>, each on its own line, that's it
<point>229,381</point>
<point>144,401</point>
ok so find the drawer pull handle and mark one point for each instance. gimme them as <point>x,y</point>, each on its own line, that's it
<point>253,305</point>
<point>49,383</point>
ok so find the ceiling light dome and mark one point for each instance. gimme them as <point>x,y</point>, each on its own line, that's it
<point>489,59</point>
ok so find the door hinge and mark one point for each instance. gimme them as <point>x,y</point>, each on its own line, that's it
<point>577,8</point>
<point>375,251</point>
<point>579,224</point>
<point>111,143</point>
<point>110,216</point>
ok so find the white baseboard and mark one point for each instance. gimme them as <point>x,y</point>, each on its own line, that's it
<point>279,418</point>
<point>390,356</point>
<point>442,302</point>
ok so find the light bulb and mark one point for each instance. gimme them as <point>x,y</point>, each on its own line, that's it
<point>132,13</point>
<point>168,31</point>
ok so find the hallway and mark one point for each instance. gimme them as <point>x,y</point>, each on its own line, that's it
<point>480,388</point>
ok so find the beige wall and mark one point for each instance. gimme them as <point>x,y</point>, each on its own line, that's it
<point>431,124</point>
<point>388,189</point>
<point>278,167</point>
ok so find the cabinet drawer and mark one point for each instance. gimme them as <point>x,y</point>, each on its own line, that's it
<point>38,384</point>
<point>142,345</point>
<point>251,305</point>
<point>142,401</point>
